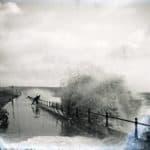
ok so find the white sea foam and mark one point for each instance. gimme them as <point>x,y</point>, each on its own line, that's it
<point>65,143</point>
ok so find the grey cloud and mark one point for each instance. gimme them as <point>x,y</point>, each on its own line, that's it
<point>86,1</point>
<point>135,47</point>
<point>39,46</point>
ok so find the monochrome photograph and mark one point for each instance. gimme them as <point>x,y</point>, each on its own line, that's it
<point>74,75</point>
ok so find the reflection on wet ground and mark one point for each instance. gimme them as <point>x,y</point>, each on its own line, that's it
<point>26,121</point>
<point>36,110</point>
<point>21,120</point>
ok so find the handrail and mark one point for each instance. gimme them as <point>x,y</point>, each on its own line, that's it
<point>89,112</point>
<point>112,117</point>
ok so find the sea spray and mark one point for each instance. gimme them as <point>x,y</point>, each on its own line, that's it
<point>45,94</point>
<point>109,94</point>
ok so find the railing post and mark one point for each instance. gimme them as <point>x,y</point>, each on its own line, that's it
<point>68,110</point>
<point>56,106</point>
<point>77,112</point>
<point>89,115</point>
<point>53,106</point>
<point>62,108</point>
<point>136,128</point>
<point>106,119</point>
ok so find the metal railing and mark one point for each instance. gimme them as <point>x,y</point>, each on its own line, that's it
<point>60,111</point>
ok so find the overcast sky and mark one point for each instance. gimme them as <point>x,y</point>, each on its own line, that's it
<point>41,46</point>
<point>101,2</point>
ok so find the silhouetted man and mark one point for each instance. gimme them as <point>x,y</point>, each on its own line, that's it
<point>36,99</point>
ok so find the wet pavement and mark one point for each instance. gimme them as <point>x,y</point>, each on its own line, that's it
<point>26,120</point>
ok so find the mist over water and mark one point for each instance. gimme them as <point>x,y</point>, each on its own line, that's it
<point>71,143</point>
<point>107,94</point>
<point>41,44</point>
<point>45,94</point>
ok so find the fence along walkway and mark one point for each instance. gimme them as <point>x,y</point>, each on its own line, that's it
<point>59,110</point>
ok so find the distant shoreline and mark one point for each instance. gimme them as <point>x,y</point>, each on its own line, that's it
<point>6,95</point>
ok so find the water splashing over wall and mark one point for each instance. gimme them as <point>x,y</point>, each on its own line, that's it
<point>108,94</point>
